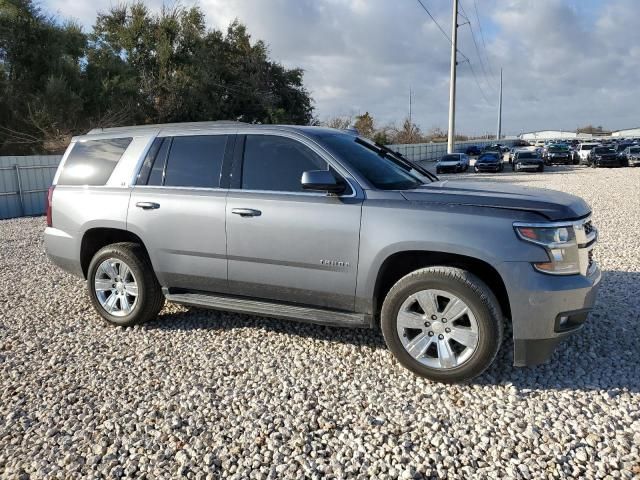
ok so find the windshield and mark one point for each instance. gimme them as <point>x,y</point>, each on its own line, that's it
<point>450,158</point>
<point>380,170</point>
<point>558,148</point>
<point>527,155</point>
<point>601,150</point>
<point>634,150</point>
<point>587,147</point>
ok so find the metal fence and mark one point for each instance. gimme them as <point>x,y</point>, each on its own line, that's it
<point>24,182</point>
<point>431,152</point>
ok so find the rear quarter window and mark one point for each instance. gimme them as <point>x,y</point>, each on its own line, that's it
<point>92,162</point>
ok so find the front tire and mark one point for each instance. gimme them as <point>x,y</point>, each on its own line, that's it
<point>122,285</point>
<point>417,331</point>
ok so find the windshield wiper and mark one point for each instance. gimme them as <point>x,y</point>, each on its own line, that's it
<point>396,158</point>
<point>408,162</point>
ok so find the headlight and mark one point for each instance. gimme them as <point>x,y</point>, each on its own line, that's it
<point>560,244</point>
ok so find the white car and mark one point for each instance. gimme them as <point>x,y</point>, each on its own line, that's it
<point>453,163</point>
<point>583,150</point>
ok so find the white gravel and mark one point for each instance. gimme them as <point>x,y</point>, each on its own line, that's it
<point>208,395</point>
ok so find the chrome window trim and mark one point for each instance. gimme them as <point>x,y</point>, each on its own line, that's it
<point>169,187</point>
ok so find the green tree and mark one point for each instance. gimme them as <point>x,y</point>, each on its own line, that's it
<point>364,125</point>
<point>136,66</point>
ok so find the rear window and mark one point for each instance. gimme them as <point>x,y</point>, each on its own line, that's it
<point>527,155</point>
<point>587,147</point>
<point>92,162</point>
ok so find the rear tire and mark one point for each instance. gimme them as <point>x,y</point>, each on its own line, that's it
<point>450,354</point>
<point>122,285</point>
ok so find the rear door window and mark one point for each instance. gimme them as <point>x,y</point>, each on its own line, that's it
<point>195,161</point>
<point>92,162</point>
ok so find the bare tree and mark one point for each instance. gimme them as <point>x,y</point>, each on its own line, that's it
<point>339,122</point>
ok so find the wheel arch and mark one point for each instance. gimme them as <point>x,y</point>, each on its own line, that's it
<point>399,264</point>
<point>96,238</point>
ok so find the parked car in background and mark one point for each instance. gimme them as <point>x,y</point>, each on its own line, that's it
<point>604,157</point>
<point>583,152</point>
<point>473,150</point>
<point>527,160</point>
<point>320,225</point>
<point>453,163</point>
<point>556,153</point>
<point>492,148</point>
<point>631,156</point>
<point>489,162</point>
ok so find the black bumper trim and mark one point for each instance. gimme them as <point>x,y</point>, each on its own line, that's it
<point>529,353</point>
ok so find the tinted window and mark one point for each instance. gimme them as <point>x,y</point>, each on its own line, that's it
<point>155,175</point>
<point>380,171</point>
<point>277,163</point>
<point>527,155</point>
<point>147,164</point>
<point>93,161</point>
<point>450,158</point>
<point>195,161</point>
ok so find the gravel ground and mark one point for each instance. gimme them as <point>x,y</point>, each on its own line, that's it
<point>204,394</point>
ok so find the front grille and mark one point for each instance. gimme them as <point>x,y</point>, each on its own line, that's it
<point>588,228</point>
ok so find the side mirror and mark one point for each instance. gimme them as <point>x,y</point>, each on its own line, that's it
<point>321,180</point>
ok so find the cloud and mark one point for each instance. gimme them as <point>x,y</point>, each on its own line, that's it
<point>566,62</point>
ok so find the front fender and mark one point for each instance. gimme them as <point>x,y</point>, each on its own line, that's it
<point>482,233</point>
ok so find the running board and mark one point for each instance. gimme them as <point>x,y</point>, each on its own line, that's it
<point>271,309</point>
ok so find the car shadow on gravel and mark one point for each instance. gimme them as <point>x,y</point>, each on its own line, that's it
<point>604,355</point>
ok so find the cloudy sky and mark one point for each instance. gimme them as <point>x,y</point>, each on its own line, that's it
<point>566,62</point>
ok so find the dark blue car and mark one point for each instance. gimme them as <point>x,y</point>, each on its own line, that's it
<point>489,162</point>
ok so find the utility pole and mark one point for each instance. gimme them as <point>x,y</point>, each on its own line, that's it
<point>452,85</point>
<point>499,133</point>
<point>410,95</point>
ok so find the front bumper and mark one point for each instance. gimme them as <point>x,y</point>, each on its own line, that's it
<point>564,160</point>
<point>450,168</point>
<point>634,162</point>
<point>529,166</point>
<point>608,162</point>
<point>488,168</point>
<point>546,308</point>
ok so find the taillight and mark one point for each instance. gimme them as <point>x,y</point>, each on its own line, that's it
<point>49,205</point>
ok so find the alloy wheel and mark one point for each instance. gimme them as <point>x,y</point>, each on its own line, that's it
<point>116,287</point>
<point>437,328</point>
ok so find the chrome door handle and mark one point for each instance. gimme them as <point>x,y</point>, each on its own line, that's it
<point>246,212</point>
<point>148,205</point>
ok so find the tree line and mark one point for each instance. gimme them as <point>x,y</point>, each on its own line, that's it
<point>407,132</point>
<point>134,67</point>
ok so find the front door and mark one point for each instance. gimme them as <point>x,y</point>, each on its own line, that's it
<point>178,210</point>
<point>284,243</point>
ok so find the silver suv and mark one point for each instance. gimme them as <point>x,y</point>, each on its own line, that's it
<point>319,225</point>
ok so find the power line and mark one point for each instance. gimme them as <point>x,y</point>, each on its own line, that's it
<point>473,37</point>
<point>484,44</point>
<point>465,58</point>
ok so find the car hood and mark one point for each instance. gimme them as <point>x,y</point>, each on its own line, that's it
<point>552,204</point>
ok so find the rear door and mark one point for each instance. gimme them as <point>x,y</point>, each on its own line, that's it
<point>178,209</point>
<point>285,243</point>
